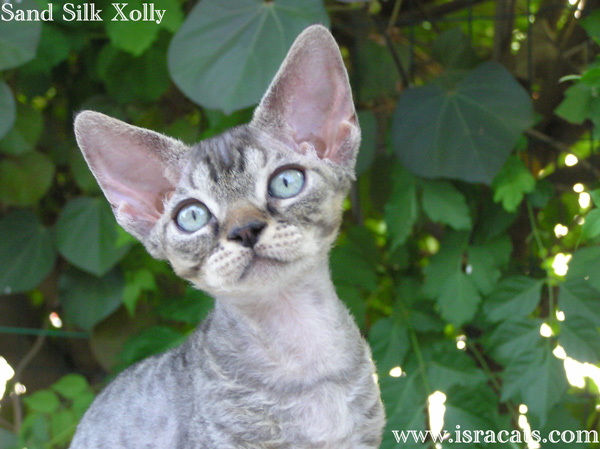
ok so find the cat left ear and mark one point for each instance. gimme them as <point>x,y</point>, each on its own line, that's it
<point>135,168</point>
<point>309,103</point>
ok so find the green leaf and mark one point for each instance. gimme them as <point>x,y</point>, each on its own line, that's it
<point>128,78</point>
<point>133,37</point>
<point>71,385</point>
<point>401,211</point>
<point>173,18</point>
<point>389,343</point>
<point>86,235</point>
<point>580,339</point>
<point>575,107</point>
<point>511,184</point>
<point>591,226</point>
<point>19,39</point>
<point>514,297</point>
<point>405,405</point>
<point>449,367</point>
<point>375,73</point>
<point>43,401</point>
<point>7,109</point>
<point>190,309</point>
<point>368,143</point>
<point>24,136</point>
<point>484,262</point>
<point>81,172</point>
<point>578,298</point>
<point>140,280</point>
<point>349,266</point>
<point>453,50</point>
<point>88,299</point>
<point>513,337</point>
<point>54,45</point>
<point>537,378</point>
<point>27,251</point>
<point>25,180</point>
<point>591,24</point>
<point>153,340</point>
<point>583,266</point>
<point>445,263</point>
<point>465,132</point>
<point>225,58</point>
<point>352,298</point>
<point>459,300</point>
<point>445,204</point>
<point>8,439</point>
<point>62,425</point>
<point>470,408</point>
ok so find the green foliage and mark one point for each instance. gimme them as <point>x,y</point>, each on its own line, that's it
<point>446,250</point>
<point>463,130</point>
<point>52,414</point>
<point>253,37</point>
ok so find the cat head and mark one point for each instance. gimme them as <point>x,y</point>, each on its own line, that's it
<point>250,209</point>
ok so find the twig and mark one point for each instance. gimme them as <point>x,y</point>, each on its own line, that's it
<point>390,46</point>
<point>559,146</point>
<point>17,406</point>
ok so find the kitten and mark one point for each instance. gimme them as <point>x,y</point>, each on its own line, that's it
<point>248,216</point>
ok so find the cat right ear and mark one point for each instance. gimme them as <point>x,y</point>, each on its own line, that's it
<point>134,167</point>
<point>309,103</point>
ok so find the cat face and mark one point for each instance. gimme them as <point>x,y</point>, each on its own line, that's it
<point>254,207</point>
<point>249,212</point>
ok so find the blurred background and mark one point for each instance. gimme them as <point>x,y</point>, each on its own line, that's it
<point>469,251</point>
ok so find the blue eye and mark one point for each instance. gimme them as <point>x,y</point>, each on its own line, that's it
<point>286,183</point>
<point>192,217</point>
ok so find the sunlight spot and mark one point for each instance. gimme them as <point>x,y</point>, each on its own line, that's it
<point>580,221</point>
<point>575,372</point>
<point>578,188</point>
<point>524,424</point>
<point>560,265</point>
<point>6,373</point>
<point>436,410</point>
<point>396,371</point>
<point>20,388</point>
<point>585,200</point>
<point>560,230</point>
<point>545,330</point>
<point>55,320</point>
<point>469,269</point>
<point>559,352</point>
<point>560,315</point>
<point>573,2</point>
<point>571,160</point>
<point>523,409</point>
<point>461,342</point>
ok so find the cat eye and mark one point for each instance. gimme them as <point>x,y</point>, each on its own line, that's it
<point>286,183</point>
<point>192,217</point>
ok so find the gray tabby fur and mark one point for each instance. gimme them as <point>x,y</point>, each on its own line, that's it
<point>279,363</point>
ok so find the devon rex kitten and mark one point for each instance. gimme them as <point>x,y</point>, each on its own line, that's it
<point>248,216</point>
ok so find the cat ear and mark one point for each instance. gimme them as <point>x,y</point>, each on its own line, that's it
<point>309,103</point>
<point>135,168</point>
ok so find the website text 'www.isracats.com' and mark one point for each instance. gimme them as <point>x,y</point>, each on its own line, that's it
<point>489,436</point>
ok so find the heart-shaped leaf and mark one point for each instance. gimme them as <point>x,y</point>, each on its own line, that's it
<point>88,299</point>
<point>26,251</point>
<point>86,235</point>
<point>462,131</point>
<point>224,57</point>
<point>26,179</point>
<point>18,39</point>
<point>7,109</point>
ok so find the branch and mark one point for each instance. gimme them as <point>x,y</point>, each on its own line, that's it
<point>16,399</point>
<point>559,146</point>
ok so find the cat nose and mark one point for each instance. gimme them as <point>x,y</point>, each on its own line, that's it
<point>247,234</point>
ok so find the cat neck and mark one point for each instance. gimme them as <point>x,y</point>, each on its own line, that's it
<point>298,331</point>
